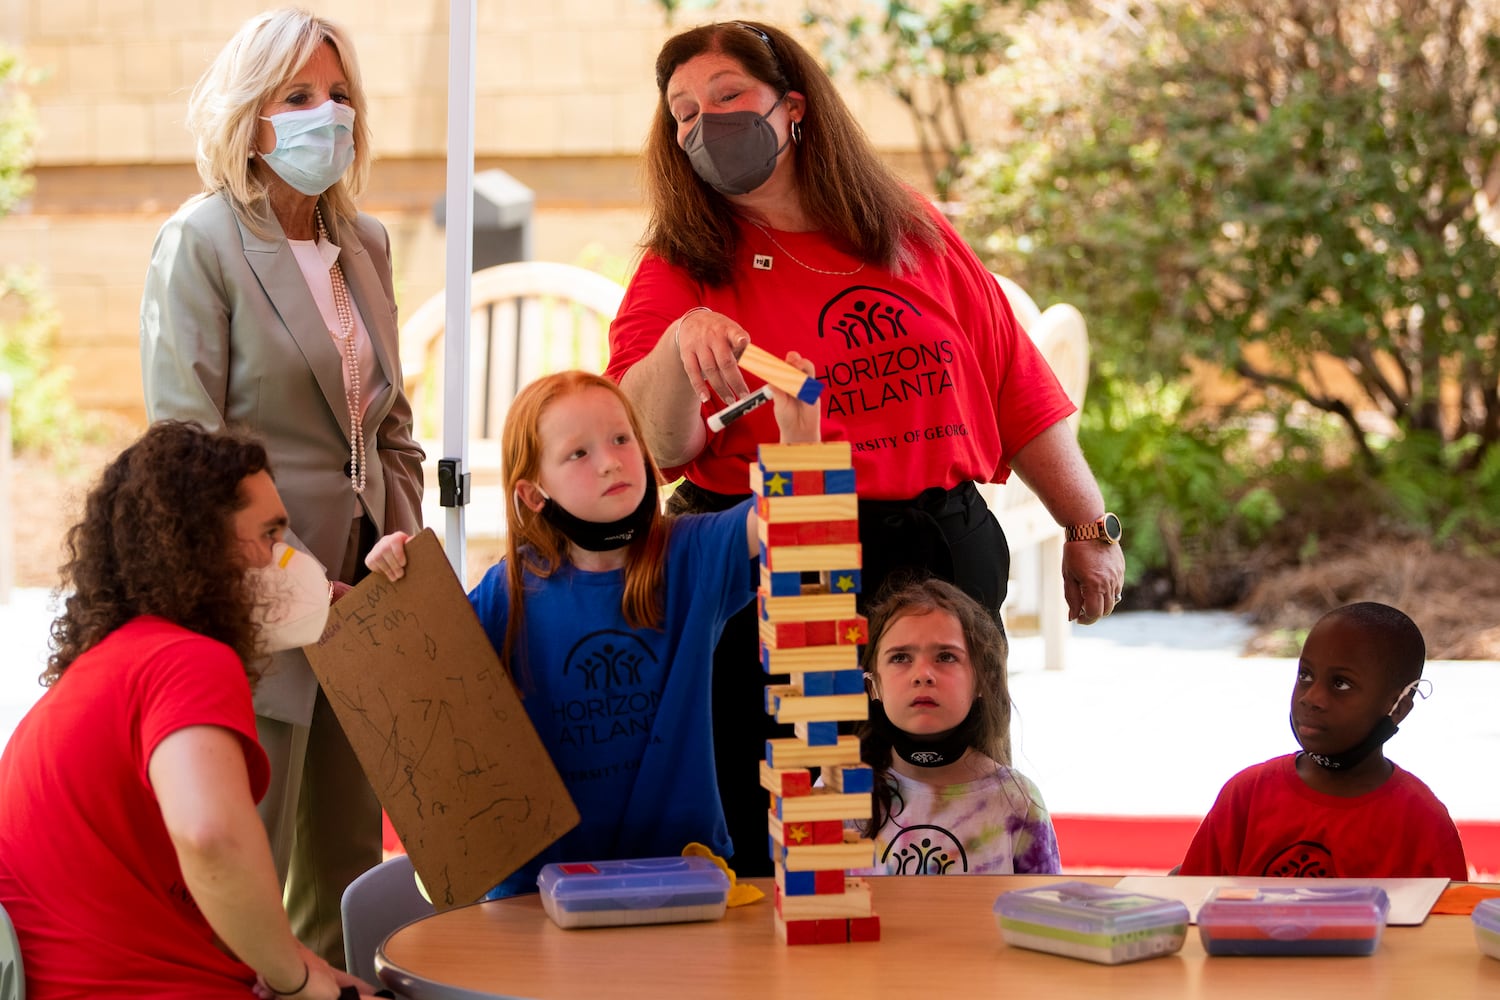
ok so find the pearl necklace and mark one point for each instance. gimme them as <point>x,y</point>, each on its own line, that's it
<point>345,338</point>
<point>795,260</point>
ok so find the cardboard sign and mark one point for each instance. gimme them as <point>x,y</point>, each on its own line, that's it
<point>439,728</point>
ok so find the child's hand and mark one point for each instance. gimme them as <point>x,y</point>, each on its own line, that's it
<point>389,555</point>
<point>799,421</point>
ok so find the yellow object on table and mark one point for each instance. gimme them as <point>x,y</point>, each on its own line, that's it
<point>740,893</point>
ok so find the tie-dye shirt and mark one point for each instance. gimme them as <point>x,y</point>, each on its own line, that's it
<point>994,825</point>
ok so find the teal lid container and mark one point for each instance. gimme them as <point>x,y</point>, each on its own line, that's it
<point>1091,922</point>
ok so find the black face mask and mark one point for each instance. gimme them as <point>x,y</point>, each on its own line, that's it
<point>734,151</point>
<point>1374,740</point>
<point>937,750</point>
<point>604,536</point>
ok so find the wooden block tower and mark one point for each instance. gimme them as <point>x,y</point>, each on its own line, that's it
<point>809,523</point>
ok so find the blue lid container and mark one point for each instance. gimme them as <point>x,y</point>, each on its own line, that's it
<point>1300,918</point>
<point>1487,927</point>
<point>1091,922</point>
<point>633,891</point>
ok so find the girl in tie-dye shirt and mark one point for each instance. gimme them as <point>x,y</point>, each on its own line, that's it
<point>946,801</point>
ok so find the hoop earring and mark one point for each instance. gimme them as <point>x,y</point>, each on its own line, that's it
<point>796,131</point>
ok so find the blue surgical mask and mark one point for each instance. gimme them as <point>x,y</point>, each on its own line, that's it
<point>313,147</point>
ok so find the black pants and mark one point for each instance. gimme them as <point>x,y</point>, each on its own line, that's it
<point>949,534</point>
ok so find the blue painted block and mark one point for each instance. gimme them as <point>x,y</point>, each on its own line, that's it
<point>820,683</point>
<point>811,390</point>
<point>848,681</point>
<point>842,581</point>
<point>786,584</point>
<point>838,481</point>
<point>822,734</point>
<point>858,780</point>
<point>799,884</point>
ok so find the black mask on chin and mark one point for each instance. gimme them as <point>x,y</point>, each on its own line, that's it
<point>936,750</point>
<point>1374,740</point>
<point>604,536</point>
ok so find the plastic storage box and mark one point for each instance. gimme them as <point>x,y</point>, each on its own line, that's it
<point>637,891</point>
<point>1487,927</point>
<point>1091,922</point>
<point>1300,919</point>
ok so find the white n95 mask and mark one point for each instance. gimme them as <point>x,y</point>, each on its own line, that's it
<point>291,599</point>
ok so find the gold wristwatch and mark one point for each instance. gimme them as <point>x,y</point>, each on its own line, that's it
<point>1107,530</point>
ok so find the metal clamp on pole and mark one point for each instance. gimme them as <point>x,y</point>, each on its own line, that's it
<point>453,483</point>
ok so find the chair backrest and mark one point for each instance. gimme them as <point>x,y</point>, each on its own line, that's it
<point>12,977</point>
<point>1021,304</point>
<point>527,319</point>
<point>375,904</point>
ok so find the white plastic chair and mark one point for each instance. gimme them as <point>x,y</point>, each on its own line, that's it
<point>380,901</point>
<point>528,318</point>
<point>12,977</point>
<point>1035,539</point>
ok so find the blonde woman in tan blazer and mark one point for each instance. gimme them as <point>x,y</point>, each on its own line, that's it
<point>269,304</point>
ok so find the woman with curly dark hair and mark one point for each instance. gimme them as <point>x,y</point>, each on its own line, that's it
<point>132,860</point>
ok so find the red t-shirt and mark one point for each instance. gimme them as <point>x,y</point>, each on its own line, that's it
<point>1268,822</point>
<point>929,376</point>
<point>87,870</point>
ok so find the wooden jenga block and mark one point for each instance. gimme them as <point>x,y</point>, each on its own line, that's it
<point>796,457</point>
<point>790,635</point>
<point>783,375</point>
<point>806,607</point>
<point>853,631</point>
<point>786,782</point>
<point>788,704</point>
<point>854,852</point>
<point>817,734</point>
<point>842,507</point>
<point>865,928</point>
<point>838,481</point>
<point>807,482</point>
<point>828,882</point>
<point>796,558</point>
<point>778,584</point>
<point>836,659</point>
<point>808,532</point>
<point>828,831</point>
<point>822,804</point>
<point>822,633</point>
<point>854,901</point>
<point>811,931</point>
<point>855,779</point>
<point>797,833</point>
<point>841,581</point>
<point>786,752</point>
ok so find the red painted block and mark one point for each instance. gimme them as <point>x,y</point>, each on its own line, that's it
<point>853,631</point>
<point>822,634</point>
<point>864,928</point>
<point>841,532</point>
<point>809,483</point>
<point>829,882</point>
<point>787,635</point>
<point>828,831</point>
<point>796,834</point>
<point>831,931</point>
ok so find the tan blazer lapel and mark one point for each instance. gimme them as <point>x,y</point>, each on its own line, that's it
<point>280,276</point>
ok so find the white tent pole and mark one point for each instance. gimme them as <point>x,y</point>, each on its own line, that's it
<point>460,258</point>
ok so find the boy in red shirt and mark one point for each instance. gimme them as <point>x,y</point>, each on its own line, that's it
<point>1339,808</point>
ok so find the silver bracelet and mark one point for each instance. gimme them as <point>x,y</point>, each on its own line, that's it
<point>682,319</point>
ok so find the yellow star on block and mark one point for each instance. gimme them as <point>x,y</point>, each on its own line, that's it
<point>845,583</point>
<point>776,485</point>
<point>797,832</point>
<point>854,635</point>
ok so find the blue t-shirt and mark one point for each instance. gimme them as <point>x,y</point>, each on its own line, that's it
<point>625,712</point>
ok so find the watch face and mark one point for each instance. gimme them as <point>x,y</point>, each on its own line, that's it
<point>1112,529</point>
